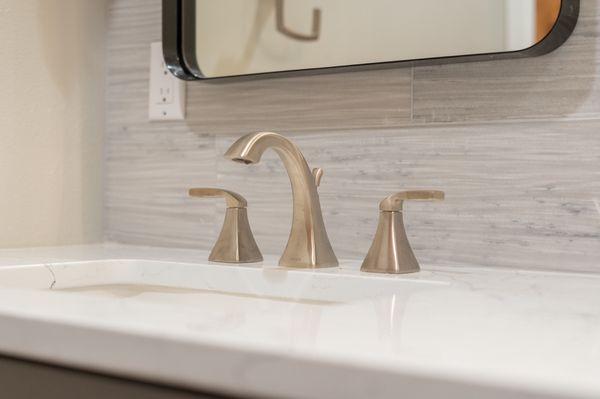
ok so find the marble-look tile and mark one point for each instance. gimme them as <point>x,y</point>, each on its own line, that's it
<point>148,172</point>
<point>327,101</point>
<point>518,195</point>
<point>565,83</point>
<point>149,166</point>
<point>132,26</point>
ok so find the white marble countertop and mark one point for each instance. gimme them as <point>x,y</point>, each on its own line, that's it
<point>480,333</point>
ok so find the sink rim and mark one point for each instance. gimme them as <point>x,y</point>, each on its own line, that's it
<point>330,285</point>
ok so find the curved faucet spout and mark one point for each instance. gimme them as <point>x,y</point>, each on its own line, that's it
<point>308,245</point>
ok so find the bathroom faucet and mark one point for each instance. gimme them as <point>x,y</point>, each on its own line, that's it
<point>308,245</point>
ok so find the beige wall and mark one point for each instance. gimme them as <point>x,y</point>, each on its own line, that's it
<point>51,121</point>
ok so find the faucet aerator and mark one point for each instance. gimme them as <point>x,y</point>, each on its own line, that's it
<point>242,160</point>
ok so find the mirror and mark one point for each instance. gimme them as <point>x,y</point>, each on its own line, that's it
<point>223,38</point>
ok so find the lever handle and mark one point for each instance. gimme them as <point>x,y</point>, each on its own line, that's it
<point>233,199</point>
<point>317,175</point>
<point>393,203</point>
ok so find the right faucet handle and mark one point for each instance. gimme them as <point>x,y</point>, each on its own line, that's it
<point>390,251</point>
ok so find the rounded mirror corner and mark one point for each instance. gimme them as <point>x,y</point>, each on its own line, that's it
<point>551,23</point>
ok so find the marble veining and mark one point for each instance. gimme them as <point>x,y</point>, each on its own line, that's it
<point>469,332</point>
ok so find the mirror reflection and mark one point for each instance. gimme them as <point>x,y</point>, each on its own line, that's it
<point>238,37</point>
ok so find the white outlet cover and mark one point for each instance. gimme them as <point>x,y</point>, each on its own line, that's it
<point>167,93</point>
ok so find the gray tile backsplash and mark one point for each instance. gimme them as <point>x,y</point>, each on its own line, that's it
<point>347,100</point>
<point>521,197</point>
<point>565,83</point>
<point>514,144</point>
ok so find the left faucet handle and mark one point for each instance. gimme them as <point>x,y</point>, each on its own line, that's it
<point>394,202</point>
<point>236,242</point>
<point>233,199</point>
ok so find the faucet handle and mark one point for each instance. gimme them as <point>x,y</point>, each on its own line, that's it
<point>390,251</point>
<point>234,200</point>
<point>317,175</point>
<point>235,243</point>
<point>394,202</point>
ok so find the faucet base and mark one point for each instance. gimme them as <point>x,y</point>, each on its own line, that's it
<point>308,248</point>
<point>390,251</point>
<point>236,243</point>
<point>308,265</point>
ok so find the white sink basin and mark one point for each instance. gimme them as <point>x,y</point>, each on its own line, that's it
<point>251,330</point>
<point>196,284</point>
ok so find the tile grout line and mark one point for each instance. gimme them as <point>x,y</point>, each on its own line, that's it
<point>424,125</point>
<point>412,95</point>
<point>438,125</point>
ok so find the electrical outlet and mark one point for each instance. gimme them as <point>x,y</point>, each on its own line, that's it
<point>167,93</point>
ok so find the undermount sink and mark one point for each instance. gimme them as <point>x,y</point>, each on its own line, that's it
<point>186,283</point>
<point>169,316</point>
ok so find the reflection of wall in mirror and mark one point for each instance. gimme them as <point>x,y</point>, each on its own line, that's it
<point>547,14</point>
<point>239,36</point>
<point>519,23</point>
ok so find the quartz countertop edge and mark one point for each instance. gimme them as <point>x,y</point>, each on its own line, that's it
<point>512,306</point>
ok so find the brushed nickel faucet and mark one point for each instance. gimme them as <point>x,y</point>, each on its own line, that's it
<point>390,251</point>
<point>235,243</point>
<point>308,245</point>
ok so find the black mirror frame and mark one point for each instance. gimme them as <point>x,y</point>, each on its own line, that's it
<point>179,30</point>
